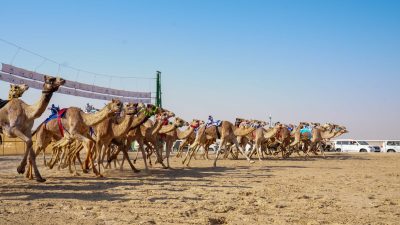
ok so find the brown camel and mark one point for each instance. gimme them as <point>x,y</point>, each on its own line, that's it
<point>76,126</point>
<point>17,118</point>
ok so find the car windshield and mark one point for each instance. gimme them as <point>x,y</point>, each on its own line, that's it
<point>363,143</point>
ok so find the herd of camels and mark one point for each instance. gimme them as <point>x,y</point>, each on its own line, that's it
<point>105,134</point>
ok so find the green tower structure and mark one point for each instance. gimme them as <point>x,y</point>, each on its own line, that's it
<point>158,90</point>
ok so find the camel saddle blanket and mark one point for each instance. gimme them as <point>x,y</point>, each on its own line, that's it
<point>3,103</point>
<point>60,114</point>
<point>307,131</point>
<point>216,123</point>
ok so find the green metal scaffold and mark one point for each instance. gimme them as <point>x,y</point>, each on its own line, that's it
<point>158,92</point>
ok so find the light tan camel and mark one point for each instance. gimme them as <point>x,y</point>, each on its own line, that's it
<point>110,129</point>
<point>261,136</point>
<point>76,125</point>
<point>124,142</point>
<point>147,134</point>
<point>170,133</point>
<point>189,139</point>
<point>17,118</point>
<point>226,132</point>
<point>320,134</point>
<point>17,90</point>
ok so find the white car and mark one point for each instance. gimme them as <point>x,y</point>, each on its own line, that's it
<point>349,145</point>
<point>391,146</point>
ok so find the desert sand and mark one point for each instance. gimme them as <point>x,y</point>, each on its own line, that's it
<point>341,189</point>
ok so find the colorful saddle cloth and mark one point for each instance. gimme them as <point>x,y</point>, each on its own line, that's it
<point>306,130</point>
<point>216,123</point>
<point>3,103</point>
<point>56,114</point>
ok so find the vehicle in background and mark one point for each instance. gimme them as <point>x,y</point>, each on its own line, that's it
<point>377,148</point>
<point>349,145</point>
<point>391,146</point>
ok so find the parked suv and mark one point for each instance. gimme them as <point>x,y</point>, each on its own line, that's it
<point>391,146</point>
<point>348,145</point>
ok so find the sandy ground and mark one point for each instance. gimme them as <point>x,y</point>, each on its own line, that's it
<point>342,189</point>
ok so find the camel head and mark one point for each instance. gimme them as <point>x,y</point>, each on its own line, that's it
<point>131,108</point>
<point>180,122</point>
<point>316,124</point>
<point>196,123</point>
<point>115,106</point>
<point>17,90</point>
<point>51,84</point>
<point>167,114</point>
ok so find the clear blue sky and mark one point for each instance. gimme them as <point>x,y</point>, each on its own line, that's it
<point>327,61</point>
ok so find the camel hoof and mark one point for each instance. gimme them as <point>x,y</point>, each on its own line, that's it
<point>40,180</point>
<point>100,175</point>
<point>251,161</point>
<point>21,169</point>
<point>136,171</point>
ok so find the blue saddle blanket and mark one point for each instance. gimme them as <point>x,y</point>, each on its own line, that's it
<point>53,116</point>
<point>216,123</point>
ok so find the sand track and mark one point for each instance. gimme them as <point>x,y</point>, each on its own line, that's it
<point>342,189</point>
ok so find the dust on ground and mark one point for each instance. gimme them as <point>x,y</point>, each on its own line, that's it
<point>341,189</point>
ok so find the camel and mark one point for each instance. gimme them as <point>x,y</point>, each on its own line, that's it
<point>262,135</point>
<point>188,140</point>
<point>144,114</point>
<point>320,134</point>
<point>17,118</point>
<point>170,133</point>
<point>17,90</point>
<point>147,134</point>
<point>226,132</point>
<point>109,129</point>
<point>76,125</point>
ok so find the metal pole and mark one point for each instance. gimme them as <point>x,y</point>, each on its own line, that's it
<point>158,93</point>
<point>270,120</point>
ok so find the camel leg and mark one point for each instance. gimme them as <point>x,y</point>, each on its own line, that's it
<point>125,152</point>
<point>192,154</point>
<point>168,152</point>
<point>241,150</point>
<point>189,152</point>
<point>28,151</point>
<point>222,144</point>
<point>258,147</point>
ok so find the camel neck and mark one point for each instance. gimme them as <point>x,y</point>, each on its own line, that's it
<point>92,119</point>
<point>36,110</point>
<point>139,120</point>
<point>122,128</point>
<point>184,134</point>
